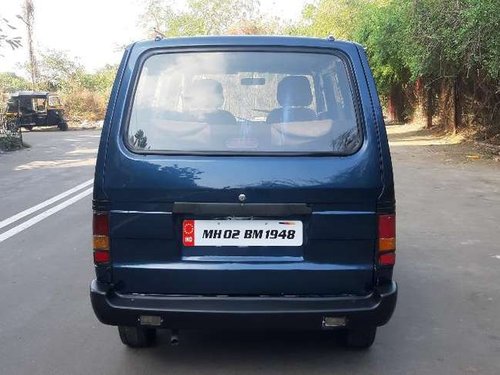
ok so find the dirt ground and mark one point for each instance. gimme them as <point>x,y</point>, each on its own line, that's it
<point>447,148</point>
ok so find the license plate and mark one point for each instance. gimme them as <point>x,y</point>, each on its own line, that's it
<point>242,233</point>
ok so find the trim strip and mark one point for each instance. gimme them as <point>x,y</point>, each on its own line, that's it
<point>252,209</point>
<point>141,212</point>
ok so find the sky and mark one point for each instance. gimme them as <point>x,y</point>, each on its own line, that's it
<point>94,31</point>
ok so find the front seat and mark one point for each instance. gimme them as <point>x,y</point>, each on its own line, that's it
<point>203,101</point>
<point>294,96</point>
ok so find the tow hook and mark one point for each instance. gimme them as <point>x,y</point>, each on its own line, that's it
<point>174,337</point>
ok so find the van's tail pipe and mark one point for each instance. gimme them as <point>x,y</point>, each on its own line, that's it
<point>174,337</point>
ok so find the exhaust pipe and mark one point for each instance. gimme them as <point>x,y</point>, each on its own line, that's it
<point>174,337</point>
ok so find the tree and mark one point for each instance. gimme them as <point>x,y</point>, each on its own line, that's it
<point>442,55</point>
<point>256,27</point>
<point>56,69</point>
<point>382,28</point>
<point>11,82</point>
<point>99,82</point>
<point>200,17</point>
<point>377,24</point>
<point>6,28</point>
<point>340,18</point>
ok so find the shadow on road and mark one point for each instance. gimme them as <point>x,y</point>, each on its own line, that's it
<point>269,352</point>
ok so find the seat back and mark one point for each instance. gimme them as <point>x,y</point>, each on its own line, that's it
<point>203,101</point>
<point>294,96</point>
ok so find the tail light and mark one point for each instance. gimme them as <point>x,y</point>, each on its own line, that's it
<point>387,240</point>
<point>101,237</point>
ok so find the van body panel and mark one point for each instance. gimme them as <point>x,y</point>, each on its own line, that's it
<point>339,232</point>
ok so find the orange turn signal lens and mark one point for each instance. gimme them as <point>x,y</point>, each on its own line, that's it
<point>101,243</point>
<point>386,244</point>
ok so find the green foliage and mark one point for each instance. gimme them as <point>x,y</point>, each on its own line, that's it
<point>56,68</point>
<point>340,18</point>
<point>207,17</point>
<point>441,43</point>
<point>84,94</point>
<point>10,82</point>
<point>382,26</point>
<point>408,39</point>
<point>450,37</point>
<point>99,82</point>
<point>480,36</point>
<point>384,29</point>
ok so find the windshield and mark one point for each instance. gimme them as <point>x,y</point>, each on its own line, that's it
<point>234,102</point>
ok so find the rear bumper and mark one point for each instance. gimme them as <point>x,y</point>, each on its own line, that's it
<point>242,312</point>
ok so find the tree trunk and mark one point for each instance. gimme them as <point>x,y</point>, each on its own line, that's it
<point>29,19</point>
<point>395,105</point>
<point>424,102</point>
<point>457,103</point>
<point>447,105</point>
<point>429,107</point>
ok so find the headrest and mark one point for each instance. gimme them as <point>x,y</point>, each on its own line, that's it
<point>204,94</point>
<point>294,91</point>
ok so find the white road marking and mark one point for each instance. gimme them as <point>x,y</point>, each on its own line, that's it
<point>46,203</point>
<point>44,215</point>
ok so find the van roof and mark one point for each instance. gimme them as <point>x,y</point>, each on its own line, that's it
<point>243,40</point>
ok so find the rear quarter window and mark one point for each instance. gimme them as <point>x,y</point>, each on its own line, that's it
<point>244,102</point>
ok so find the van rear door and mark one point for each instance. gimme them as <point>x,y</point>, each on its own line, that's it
<point>190,159</point>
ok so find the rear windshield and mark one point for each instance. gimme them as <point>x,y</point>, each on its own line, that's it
<point>240,102</point>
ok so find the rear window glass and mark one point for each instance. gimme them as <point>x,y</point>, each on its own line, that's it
<point>234,102</point>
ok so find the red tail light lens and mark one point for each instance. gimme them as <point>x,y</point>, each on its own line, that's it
<point>101,223</point>
<point>387,239</point>
<point>101,257</point>
<point>101,237</point>
<point>387,259</point>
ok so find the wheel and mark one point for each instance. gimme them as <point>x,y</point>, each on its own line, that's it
<point>29,127</point>
<point>137,337</point>
<point>360,337</point>
<point>63,126</point>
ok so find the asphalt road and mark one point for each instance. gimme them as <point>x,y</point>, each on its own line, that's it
<point>447,320</point>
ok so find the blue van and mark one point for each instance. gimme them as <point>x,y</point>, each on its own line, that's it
<point>244,183</point>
